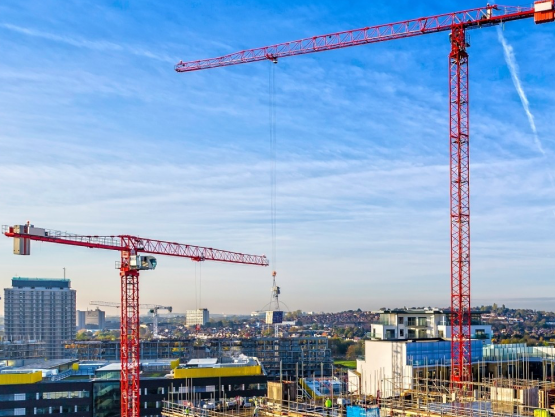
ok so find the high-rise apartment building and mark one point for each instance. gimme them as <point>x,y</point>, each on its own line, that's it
<point>41,309</point>
<point>91,319</point>
<point>198,317</point>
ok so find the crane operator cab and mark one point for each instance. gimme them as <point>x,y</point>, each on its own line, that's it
<point>144,262</point>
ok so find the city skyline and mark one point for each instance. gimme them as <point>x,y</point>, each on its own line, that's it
<point>100,136</point>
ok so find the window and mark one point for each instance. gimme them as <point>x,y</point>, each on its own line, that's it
<point>13,412</point>
<point>400,320</point>
<point>401,333</point>
<point>64,394</point>
<point>411,321</point>
<point>422,321</point>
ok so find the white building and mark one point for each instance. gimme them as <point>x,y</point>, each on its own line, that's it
<point>403,324</point>
<point>390,366</point>
<point>198,317</point>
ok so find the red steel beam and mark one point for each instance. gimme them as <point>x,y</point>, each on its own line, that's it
<point>142,245</point>
<point>472,18</point>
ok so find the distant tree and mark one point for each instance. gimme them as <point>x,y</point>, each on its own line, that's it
<point>82,335</point>
<point>355,350</point>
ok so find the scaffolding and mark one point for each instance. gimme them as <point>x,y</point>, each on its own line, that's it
<point>282,357</point>
<point>493,397</point>
<point>22,349</point>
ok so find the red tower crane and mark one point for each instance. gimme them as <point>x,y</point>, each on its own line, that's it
<point>133,251</point>
<point>458,23</point>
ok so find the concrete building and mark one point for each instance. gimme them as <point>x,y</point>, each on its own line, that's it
<point>21,349</point>
<point>403,324</point>
<point>198,317</point>
<point>394,366</point>
<point>302,356</point>
<point>91,319</point>
<point>40,309</point>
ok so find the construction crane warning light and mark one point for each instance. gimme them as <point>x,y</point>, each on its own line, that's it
<point>142,262</point>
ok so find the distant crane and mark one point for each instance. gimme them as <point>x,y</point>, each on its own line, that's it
<point>457,23</point>
<point>153,309</point>
<point>133,260</point>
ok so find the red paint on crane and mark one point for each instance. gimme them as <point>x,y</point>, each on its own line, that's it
<point>461,369</point>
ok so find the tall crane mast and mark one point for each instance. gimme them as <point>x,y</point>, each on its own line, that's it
<point>457,23</point>
<point>153,309</point>
<point>134,258</point>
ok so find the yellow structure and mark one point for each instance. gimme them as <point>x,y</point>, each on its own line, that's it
<point>217,372</point>
<point>10,379</point>
<point>174,364</point>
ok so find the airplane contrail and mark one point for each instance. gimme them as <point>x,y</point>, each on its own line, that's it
<point>513,68</point>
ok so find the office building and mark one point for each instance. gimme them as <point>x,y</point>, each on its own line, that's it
<point>87,389</point>
<point>41,310</point>
<point>198,317</point>
<point>91,319</point>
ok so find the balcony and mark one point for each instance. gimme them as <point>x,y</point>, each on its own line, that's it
<point>480,336</point>
<point>383,322</point>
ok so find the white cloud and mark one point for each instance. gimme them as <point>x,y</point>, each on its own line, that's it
<point>97,45</point>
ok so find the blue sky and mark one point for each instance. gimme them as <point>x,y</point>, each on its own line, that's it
<point>100,136</point>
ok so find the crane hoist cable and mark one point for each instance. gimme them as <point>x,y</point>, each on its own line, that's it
<point>200,285</point>
<point>273,171</point>
<point>196,290</point>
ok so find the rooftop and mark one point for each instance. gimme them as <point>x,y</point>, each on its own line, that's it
<point>20,282</point>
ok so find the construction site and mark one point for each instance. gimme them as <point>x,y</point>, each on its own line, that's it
<point>461,373</point>
<point>516,383</point>
<point>419,363</point>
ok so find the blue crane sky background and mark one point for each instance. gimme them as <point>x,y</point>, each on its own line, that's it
<point>99,135</point>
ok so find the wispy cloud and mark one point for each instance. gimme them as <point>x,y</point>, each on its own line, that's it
<point>97,45</point>
<point>513,68</point>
